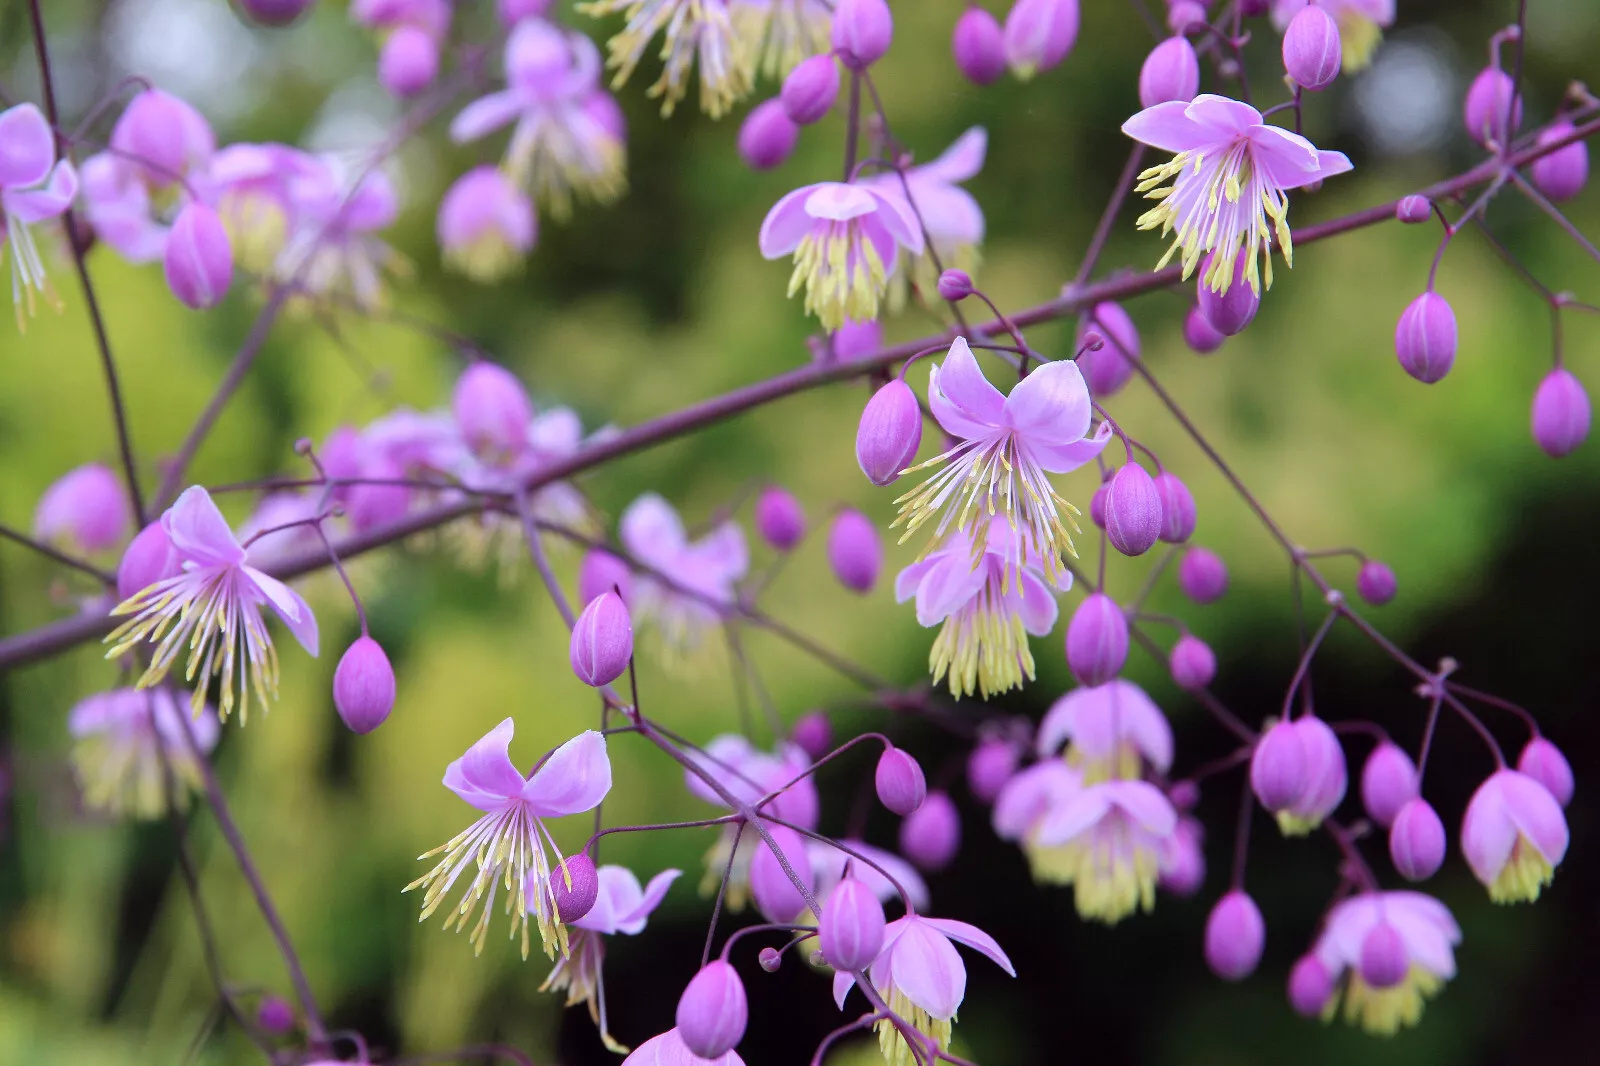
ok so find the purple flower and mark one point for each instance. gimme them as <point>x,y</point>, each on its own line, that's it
<point>85,510</point>
<point>1112,837</point>
<point>254,186</point>
<point>689,28</point>
<point>506,847</point>
<point>1023,806</point>
<point>1039,34</point>
<point>1513,836</point>
<point>921,977</point>
<point>214,609</point>
<point>1005,447</point>
<point>949,217</point>
<point>1361,24</point>
<point>333,248</point>
<point>778,34</point>
<point>34,186</point>
<point>1112,731</point>
<point>846,240</point>
<point>1428,935</point>
<point>986,599</point>
<point>486,225</point>
<point>1325,777</point>
<point>1229,175</point>
<point>116,758</point>
<point>693,583</point>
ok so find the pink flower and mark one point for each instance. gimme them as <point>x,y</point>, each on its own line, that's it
<point>121,736</point>
<point>690,29</point>
<point>1114,730</point>
<point>486,226</point>
<point>846,240</point>
<point>1229,174</point>
<point>948,215</point>
<point>333,249</point>
<point>506,847</point>
<point>693,583</point>
<point>1513,836</point>
<point>84,509</point>
<point>986,604</point>
<point>255,188</point>
<point>1112,838</point>
<point>34,186</point>
<point>1005,448</point>
<point>1026,802</point>
<point>1361,24</point>
<point>1428,935</point>
<point>668,1049</point>
<point>214,609</point>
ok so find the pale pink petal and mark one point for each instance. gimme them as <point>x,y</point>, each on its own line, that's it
<point>1167,127</point>
<point>727,759</point>
<point>1224,117</point>
<point>485,776</point>
<point>843,982</point>
<point>928,970</point>
<point>574,779</point>
<point>962,399</point>
<point>950,215</point>
<point>836,201</point>
<point>1425,941</point>
<point>1060,722</point>
<point>668,1049</point>
<point>485,115</point>
<point>373,204</point>
<point>1282,152</point>
<point>1536,814</point>
<point>897,217</point>
<point>1487,832</point>
<point>1142,722</point>
<point>199,532</point>
<point>907,580</point>
<point>947,588</point>
<point>787,223</point>
<point>35,205</point>
<point>288,605</point>
<point>1050,406</point>
<point>1065,458</point>
<point>974,938</point>
<point>1036,604</point>
<point>1077,814</point>
<point>961,161</point>
<point>651,530</point>
<point>633,921</point>
<point>1145,804</point>
<point>27,146</point>
<point>1031,794</point>
<point>618,895</point>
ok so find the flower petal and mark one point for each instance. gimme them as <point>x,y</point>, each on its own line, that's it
<point>288,605</point>
<point>1036,604</point>
<point>35,205</point>
<point>1487,831</point>
<point>1224,117</point>
<point>1077,814</point>
<point>907,580</point>
<point>199,532</point>
<point>896,216</point>
<point>1281,151</point>
<point>651,530</point>
<point>574,779</point>
<point>618,895</point>
<point>1537,815</point>
<point>948,587</point>
<point>843,982</point>
<point>928,970</point>
<point>1030,795</point>
<point>786,224</point>
<point>960,162</point>
<point>27,146</point>
<point>1166,126</point>
<point>1065,458</point>
<point>485,115</point>
<point>633,921</point>
<point>1145,804</point>
<point>962,399</point>
<point>974,938</point>
<point>485,776</point>
<point>1051,405</point>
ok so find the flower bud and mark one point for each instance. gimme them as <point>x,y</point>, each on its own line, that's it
<point>712,1012</point>
<point>511,12</point>
<point>408,62</point>
<point>150,557</point>
<point>1326,777</point>
<point>814,734</point>
<point>492,410</point>
<point>84,509</point>
<point>363,686</point>
<point>1229,312</point>
<point>1039,34</point>
<point>1384,961</point>
<point>1560,413</point>
<point>1193,663</point>
<point>954,285</point>
<point>1425,338</point>
<point>1183,862</point>
<point>769,959</point>
<point>991,764</point>
<point>1375,583</point>
<point>776,896</point>
<point>851,930</point>
<point>1413,209</point>
<point>1543,761</point>
<point>1562,174</point>
<point>1199,334</point>
<point>854,340</point>
<point>930,836</point>
<point>1416,840</point>
<point>1177,508</point>
<point>602,641</point>
<point>810,90</point>
<point>1235,935</point>
<point>1097,504</point>
<point>767,136</point>
<point>1186,16</point>
<point>1133,510</point>
<point>898,778</point>
<point>978,46</point>
<point>486,225</point>
<point>1170,72</point>
<point>274,1015</point>
<point>1312,51</point>
<point>1388,782</point>
<point>1202,575</point>
<point>602,572</point>
<point>854,551</point>
<point>1184,795</point>
<point>575,900</point>
<point>1310,986</point>
<point>1278,770</point>
<point>1488,107</point>
<point>1097,640</point>
<point>862,30</point>
<point>199,258</point>
<point>273,13</point>
<point>1106,369</point>
<point>779,518</point>
<point>162,138</point>
<point>890,432</point>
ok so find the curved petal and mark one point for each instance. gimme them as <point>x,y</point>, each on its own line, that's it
<point>633,921</point>
<point>786,224</point>
<point>950,214</point>
<point>651,530</point>
<point>974,938</point>
<point>1145,804</point>
<point>1167,127</point>
<point>842,984</point>
<point>288,605</point>
<point>1143,723</point>
<point>727,759</point>
<point>1036,604</point>
<point>1065,458</point>
<point>1487,831</point>
<point>485,115</point>
<point>1536,814</point>
<point>962,399</point>
<point>1050,405</point>
<point>1060,722</point>
<point>574,779</point>
<point>35,205</point>
<point>907,580</point>
<point>1224,117</point>
<point>1077,814</point>
<point>948,587</point>
<point>928,970</point>
<point>1425,942</point>
<point>27,146</point>
<point>1282,152</point>
<point>485,776</point>
<point>199,532</point>
<point>961,161</point>
<point>618,895</point>
<point>896,217</point>
<point>1031,795</point>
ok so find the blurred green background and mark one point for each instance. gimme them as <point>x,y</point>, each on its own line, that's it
<point>630,311</point>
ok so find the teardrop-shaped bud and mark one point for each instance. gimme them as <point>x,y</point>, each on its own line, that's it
<point>899,781</point>
<point>1170,72</point>
<point>862,31</point>
<point>85,510</point>
<point>1388,782</point>
<point>1543,761</point>
<point>274,1015</point>
<point>1560,413</point>
<point>930,836</point>
<point>1310,986</point>
<point>854,551</point>
<point>1425,338</point>
<point>992,763</point>
<point>954,284</point>
<point>1278,771</point>
<point>1039,34</point>
<point>363,686</point>
<point>601,572</point>
<point>576,885</point>
<point>713,1011</point>
<point>1413,210</point>
<point>851,931</point>
<point>1312,51</point>
<point>602,641</point>
<point>1177,508</point>
<point>199,257</point>
<point>1109,366</point>
<point>1417,841</point>
<point>408,62</point>
<point>1376,583</point>
<point>1235,935</point>
<point>767,136</point>
<point>890,433</point>
<point>273,13</point>
<point>1193,663</point>
<point>780,519</point>
<point>1562,174</point>
<point>1199,334</point>
<point>1097,640</point>
<point>492,410</point>
<point>1203,575</point>
<point>814,734</point>
<point>1133,510</point>
<point>810,90</point>
<point>1231,310</point>
<point>1491,110</point>
<point>1384,960</point>
<point>979,46</point>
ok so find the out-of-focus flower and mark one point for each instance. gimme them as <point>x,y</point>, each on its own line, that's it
<point>1513,836</point>
<point>690,29</point>
<point>486,225</point>
<point>1361,24</point>
<point>668,1049</point>
<point>1039,34</point>
<point>34,186</point>
<point>1427,934</point>
<point>116,756</point>
<point>1113,732</point>
<point>778,34</point>
<point>1024,804</point>
<point>333,250</point>
<point>1111,838</point>
<point>83,510</point>
<point>693,583</point>
<point>947,214</point>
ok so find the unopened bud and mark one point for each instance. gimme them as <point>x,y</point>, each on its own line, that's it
<point>1562,174</point>
<point>1177,508</point>
<point>1235,935</point>
<point>851,930</point>
<point>1312,51</point>
<point>854,551</point>
<point>930,836</point>
<point>1278,771</point>
<point>1097,640</point>
<point>890,432</point>
<point>1193,663</point>
<point>1425,338</point>
<point>1560,413</point>
<point>1097,504</point>
<point>199,258</point>
<point>602,641</point>
<point>1376,583</point>
<point>713,1011</point>
<point>1186,16</point>
<point>810,89</point>
<point>775,894</point>
<point>954,285</point>
<point>84,509</point>
<point>1170,72</point>
<point>767,136</point>
<point>1203,575</point>
<point>273,13</point>
<point>814,734</point>
<point>274,1015</point>
<point>1199,334</point>
<point>991,764</point>
<point>1413,209</point>
<point>1310,986</point>
<point>1039,34</point>
<point>1133,510</point>
<point>363,686</point>
<point>1388,782</point>
<point>408,62</point>
<point>1108,366</point>
<point>769,959</point>
<point>492,410</point>
<point>899,781</point>
<point>601,572</point>
<point>862,30</point>
<point>779,518</point>
<point>1543,761</point>
<point>856,340</point>
<point>1491,111</point>
<point>1417,841</point>
<point>577,899</point>
<point>1384,960</point>
<point>979,46</point>
<point>1231,310</point>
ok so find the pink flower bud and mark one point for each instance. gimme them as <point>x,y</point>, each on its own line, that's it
<point>1376,583</point>
<point>1562,174</point>
<point>1425,338</point>
<point>991,764</point>
<point>930,836</point>
<point>1229,312</point>
<point>1413,209</point>
<point>1388,782</point>
<point>363,686</point>
<point>1543,761</point>
<point>1184,795</point>
<point>150,557</point>
<point>1416,840</point>
<point>1133,510</point>
<point>274,1015</point>
<point>1199,334</point>
<point>273,13</point>
<point>1192,662</point>
<point>978,46</point>
<point>408,62</point>
<point>712,1012</point>
<point>1177,508</point>
<point>1489,106</point>
<point>1170,72</point>
<point>1097,504</point>
<point>1183,863</point>
<point>889,434</point>
<point>1106,369</point>
<point>776,896</point>
<point>1326,777</point>
<point>162,137</point>
<point>779,518</point>
<point>577,900</point>
<point>770,960</point>
<point>1202,575</point>
<point>810,90</point>
<point>84,509</point>
<point>851,931</point>
<point>814,734</point>
<point>862,30</point>
<point>1039,34</point>
<point>954,284</point>
<point>600,573</point>
<point>1310,985</point>
<point>767,136</point>
<point>486,224</point>
<point>602,641</point>
<point>1312,51</point>
<point>1560,413</point>
<point>1097,640</point>
<point>898,778</point>
<point>1235,935</point>
<point>854,551</point>
<point>1278,768</point>
<point>1384,959</point>
<point>199,258</point>
<point>511,12</point>
<point>1186,16</point>
<point>492,410</point>
<point>855,340</point>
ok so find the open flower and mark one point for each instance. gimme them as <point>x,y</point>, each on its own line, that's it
<point>1005,448</point>
<point>1361,24</point>
<point>1113,836</point>
<point>621,906</point>
<point>987,604</point>
<point>690,28</point>
<point>333,249</point>
<point>749,774</point>
<point>1428,935</point>
<point>692,583</point>
<point>1228,176</point>
<point>34,186</point>
<point>1114,730</point>
<point>921,977</point>
<point>846,239</point>
<point>1026,803</point>
<point>214,609</point>
<point>948,215</point>
<point>1513,836</point>
<point>778,34</point>
<point>507,845</point>
<point>121,737</point>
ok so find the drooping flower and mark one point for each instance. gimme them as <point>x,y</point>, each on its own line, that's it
<point>1361,24</point>
<point>1112,838</point>
<point>949,216</point>
<point>921,977</point>
<point>34,186</point>
<point>1025,804</point>
<point>986,606</point>
<point>692,584</point>
<point>486,225</point>
<point>1228,178</point>
<point>507,846</point>
<point>846,240</point>
<point>121,737</point>
<point>1428,935</point>
<point>1114,730</point>
<point>214,609</point>
<point>333,250</point>
<point>1005,448</point>
<point>690,29</point>
<point>254,186</point>
<point>749,775</point>
<point>778,34</point>
<point>621,906</point>
<point>1513,836</point>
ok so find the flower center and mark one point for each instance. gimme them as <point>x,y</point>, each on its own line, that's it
<point>1524,875</point>
<point>896,1052</point>
<point>1386,1010</point>
<point>842,273</point>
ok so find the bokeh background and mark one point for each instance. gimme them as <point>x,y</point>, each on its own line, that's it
<point>632,310</point>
